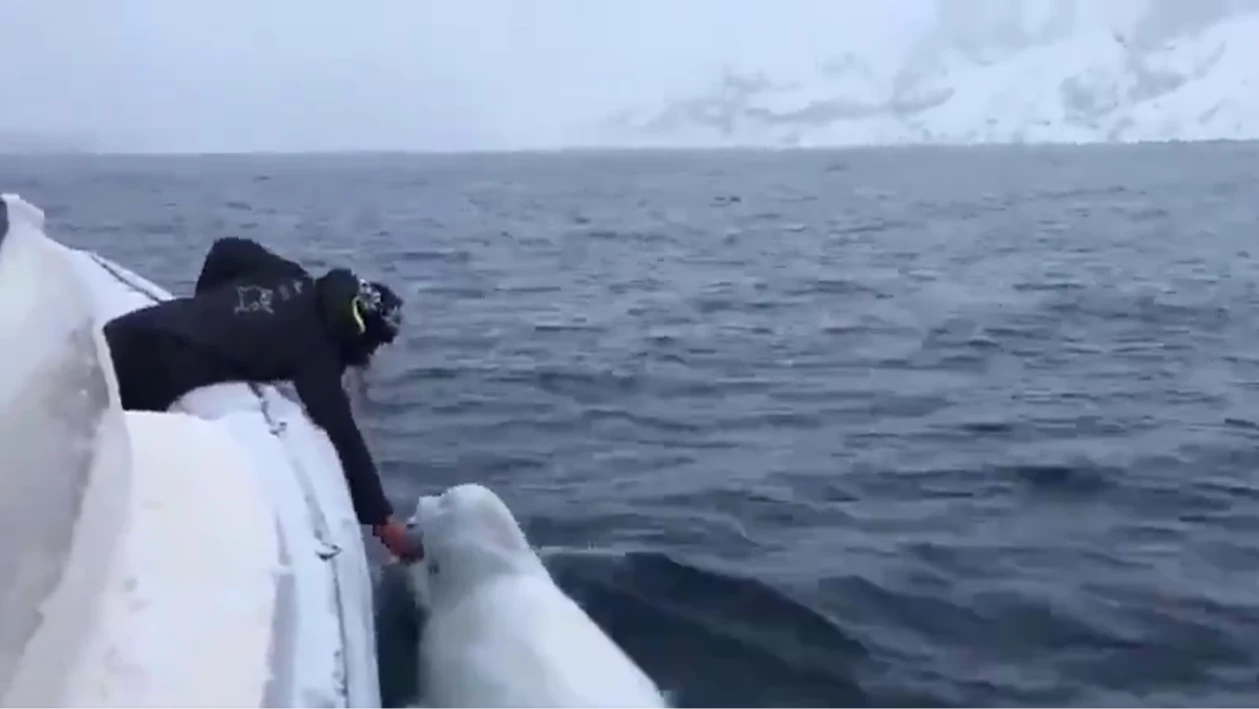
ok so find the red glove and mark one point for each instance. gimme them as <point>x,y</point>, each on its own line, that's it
<point>395,538</point>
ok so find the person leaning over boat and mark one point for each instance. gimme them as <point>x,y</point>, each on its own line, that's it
<point>257,317</point>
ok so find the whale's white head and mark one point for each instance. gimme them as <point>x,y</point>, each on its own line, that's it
<point>470,537</point>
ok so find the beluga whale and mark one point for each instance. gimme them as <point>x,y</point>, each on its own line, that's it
<point>499,631</point>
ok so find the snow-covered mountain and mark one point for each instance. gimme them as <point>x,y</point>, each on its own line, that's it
<point>1063,71</point>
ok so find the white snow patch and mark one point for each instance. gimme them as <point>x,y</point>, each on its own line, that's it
<point>190,601</point>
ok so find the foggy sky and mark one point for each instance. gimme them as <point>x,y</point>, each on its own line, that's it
<point>244,75</point>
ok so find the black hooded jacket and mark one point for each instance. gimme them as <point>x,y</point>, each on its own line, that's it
<point>264,318</point>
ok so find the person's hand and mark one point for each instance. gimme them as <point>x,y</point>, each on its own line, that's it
<point>395,538</point>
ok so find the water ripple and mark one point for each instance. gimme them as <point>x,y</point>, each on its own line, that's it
<point>805,429</point>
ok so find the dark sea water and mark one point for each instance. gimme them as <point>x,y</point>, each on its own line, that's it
<point>927,427</point>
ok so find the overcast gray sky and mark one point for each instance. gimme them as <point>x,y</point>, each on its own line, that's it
<point>195,75</point>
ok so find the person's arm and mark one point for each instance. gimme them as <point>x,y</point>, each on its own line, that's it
<point>231,258</point>
<point>319,387</point>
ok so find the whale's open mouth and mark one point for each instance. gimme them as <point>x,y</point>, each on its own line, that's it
<point>415,538</point>
<point>415,529</point>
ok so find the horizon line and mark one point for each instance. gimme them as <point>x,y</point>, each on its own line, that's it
<point>495,152</point>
